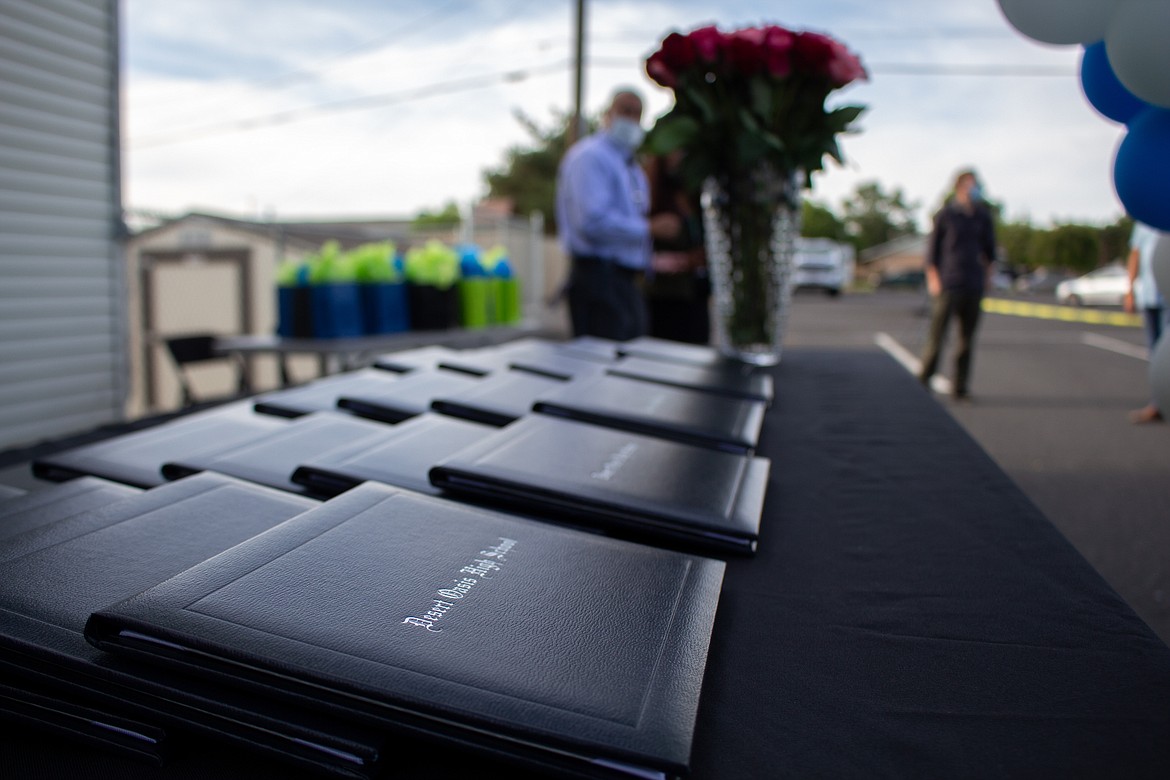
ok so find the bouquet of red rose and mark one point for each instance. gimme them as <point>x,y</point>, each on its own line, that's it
<point>755,95</point>
<point>751,122</point>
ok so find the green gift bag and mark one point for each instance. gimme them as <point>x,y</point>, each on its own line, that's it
<point>476,293</point>
<point>508,305</point>
<point>477,302</point>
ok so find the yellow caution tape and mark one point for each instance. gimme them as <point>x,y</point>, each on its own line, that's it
<point>1047,311</point>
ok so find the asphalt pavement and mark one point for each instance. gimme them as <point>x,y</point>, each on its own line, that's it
<point>1051,392</point>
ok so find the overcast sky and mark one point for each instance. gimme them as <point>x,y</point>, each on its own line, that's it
<point>373,108</point>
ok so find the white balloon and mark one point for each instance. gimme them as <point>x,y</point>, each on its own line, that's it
<point>1138,50</point>
<point>1160,264</point>
<point>1160,374</point>
<point>1060,21</point>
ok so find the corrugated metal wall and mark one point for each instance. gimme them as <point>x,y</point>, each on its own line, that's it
<point>62,298</point>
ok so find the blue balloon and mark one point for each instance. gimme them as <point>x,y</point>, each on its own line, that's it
<point>1103,89</point>
<point>469,264</point>
<point>1141,169</point>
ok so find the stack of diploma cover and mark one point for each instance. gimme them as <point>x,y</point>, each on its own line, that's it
<point>137,458</point>
<point>610,479</point>
<point>402,456</point>
<point>685,415</point>
<point>53,575</point>
<point>507,559</point>
<point>436,620</point>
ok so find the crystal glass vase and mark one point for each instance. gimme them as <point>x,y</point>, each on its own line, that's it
<point>752,221</point>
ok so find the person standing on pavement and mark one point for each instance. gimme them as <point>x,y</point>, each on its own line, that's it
<point>602,203</point>
<point>1144,297</point>
<point>959,257</point>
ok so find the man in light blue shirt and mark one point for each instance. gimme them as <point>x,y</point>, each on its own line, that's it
<point>602,204</point>
<point>1145,298</point>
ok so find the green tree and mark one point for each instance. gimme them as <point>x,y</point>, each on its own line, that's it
<point>819,221</point>
<point>1075,247</point>
<point>528,175</point>
<point>1115,240</point>
<point>1071,246</point>
<point>1016,240</point>
<point>873,216</point>
<point>447,217</point>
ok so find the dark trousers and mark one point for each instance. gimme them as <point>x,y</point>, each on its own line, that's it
<point>605,300</point>
<point>676,320</point>
<point>679,307</point>
<point>963,306</point>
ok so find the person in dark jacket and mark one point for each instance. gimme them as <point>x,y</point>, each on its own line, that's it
<point>959,258</point>
<point>678,294</point>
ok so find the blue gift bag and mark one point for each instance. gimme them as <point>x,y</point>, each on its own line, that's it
<point>385,307</point>
<point>337,310</point>
<point>294,312</point>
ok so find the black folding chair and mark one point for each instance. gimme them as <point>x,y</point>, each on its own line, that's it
<point>200,348</point>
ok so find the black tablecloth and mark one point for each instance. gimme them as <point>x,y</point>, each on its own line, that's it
<point>910,613</point>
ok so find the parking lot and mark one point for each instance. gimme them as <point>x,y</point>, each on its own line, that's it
<point>1051,392</point>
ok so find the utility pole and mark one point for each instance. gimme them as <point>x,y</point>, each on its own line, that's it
<point>577,121</point>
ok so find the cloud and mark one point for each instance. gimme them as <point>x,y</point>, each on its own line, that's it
<point>430,130</point>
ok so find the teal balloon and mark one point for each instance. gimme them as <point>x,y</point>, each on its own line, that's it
<point>1104,90</point>
<point>1060,21</point>
<point>1141,168</point>
<point>1138,49</point>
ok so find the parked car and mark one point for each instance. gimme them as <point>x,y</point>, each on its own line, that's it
<point>1002,281</point>
<point>905,280</point>
<point>1042,281</point>
<point>1106,286</point>
<point>823,264</point>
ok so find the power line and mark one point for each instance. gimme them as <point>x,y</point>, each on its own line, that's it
<point>421,23</point>
<point>326,63</point>
<point>651,37</point>
<point>488,80</point>
<point>907,68</point>
<point>351,104</point>
<point>947,69</point>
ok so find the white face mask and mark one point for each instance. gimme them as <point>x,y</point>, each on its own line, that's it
<point>627,133</point>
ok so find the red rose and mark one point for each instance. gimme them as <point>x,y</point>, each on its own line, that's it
<point>659,71</point>
<point>744,51</point>
<point>778,50</point>
<point>678,52</point>
<point>845,66</point>
<point>812,53</point>
<point>708,43</point>
<point>676,55</point>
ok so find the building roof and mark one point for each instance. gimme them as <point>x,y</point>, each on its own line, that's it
<point>348,233</point>
<point>902,245</point>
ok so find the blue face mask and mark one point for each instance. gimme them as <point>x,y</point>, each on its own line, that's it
<point>626,133</point>
<point>976,193</point>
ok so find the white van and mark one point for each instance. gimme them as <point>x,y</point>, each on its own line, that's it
<point>823,264</point>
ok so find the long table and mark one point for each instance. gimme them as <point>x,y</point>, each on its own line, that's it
<point>910,613</point>
<point>345,354</point>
